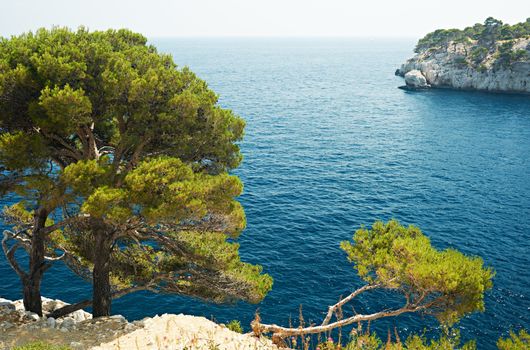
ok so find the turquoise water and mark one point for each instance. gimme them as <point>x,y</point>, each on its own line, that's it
<point>331,144</point>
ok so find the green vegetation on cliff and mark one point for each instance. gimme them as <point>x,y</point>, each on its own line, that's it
<point>485,35</point>
<point>492,41</point>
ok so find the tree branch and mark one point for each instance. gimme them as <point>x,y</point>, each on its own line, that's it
<point>81,134</point>
<point>136,154</point>
<point>49,229</point>
<point>283,332</point>
<point>55,258</point>
<point>69,150</point>
<point>341,302</point>
<point>68,309</point>
<point>93,147</point>
<point>10,254</point>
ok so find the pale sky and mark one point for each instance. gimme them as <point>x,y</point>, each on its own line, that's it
<point>171,18</point>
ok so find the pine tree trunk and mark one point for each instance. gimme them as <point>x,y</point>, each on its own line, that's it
<point>68,309</point>
<point>101,295</point>
<point>31,284</point>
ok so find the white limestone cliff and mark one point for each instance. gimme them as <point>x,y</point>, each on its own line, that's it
<point>452,67</point>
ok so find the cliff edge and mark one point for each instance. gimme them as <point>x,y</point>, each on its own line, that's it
<point>78,331</point>
<point>492,57</point>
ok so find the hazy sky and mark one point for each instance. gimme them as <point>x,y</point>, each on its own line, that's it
<point>166,18</point>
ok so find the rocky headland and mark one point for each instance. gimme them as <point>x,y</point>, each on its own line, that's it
<point>79,331</point>
<point>493,57</point>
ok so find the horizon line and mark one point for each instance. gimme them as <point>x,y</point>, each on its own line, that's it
<point>280,37</point>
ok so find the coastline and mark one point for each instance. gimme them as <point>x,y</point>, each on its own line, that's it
<point>452,88</point>
<point>452,67</point>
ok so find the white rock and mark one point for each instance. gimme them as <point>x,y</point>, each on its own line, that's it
<point>51,322</point>
<point>7,305</point>
<point>415,79</point>
<point>32,316</point>
<point>19,304</point>
<point>68,323</point>
<point>119,318</point>
<point>186,332</point>
<point>6,301</point>
<point>49,305</point>
<point>440,68</point>
<point>7,325</point>
<point>76,316</point>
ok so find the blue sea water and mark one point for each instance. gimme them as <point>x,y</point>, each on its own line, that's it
<point>332,144</point>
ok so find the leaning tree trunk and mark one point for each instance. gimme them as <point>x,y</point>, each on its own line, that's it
<point>68,309</point>
<point>101,291</point>
<point>31,282</point>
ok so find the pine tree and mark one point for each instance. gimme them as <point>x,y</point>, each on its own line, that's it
<point>109,145</point>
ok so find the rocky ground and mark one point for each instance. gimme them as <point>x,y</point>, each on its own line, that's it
<point>450,67</point>
<point>80,331</point>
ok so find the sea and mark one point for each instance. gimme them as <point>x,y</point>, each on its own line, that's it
<point>332,144</point>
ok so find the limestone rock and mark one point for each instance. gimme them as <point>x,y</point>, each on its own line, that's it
<point>32,316</point>
<point>452,67</point>
<point>6,305</point>
<point>110,333</point>
<point>185,332</point>
<point>118,318</point>
<point>415,79</point>
<point>68,323</point>
<point>6,325</point>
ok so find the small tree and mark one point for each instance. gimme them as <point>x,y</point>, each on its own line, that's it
<point>445,284</point>
<point>491,32</point>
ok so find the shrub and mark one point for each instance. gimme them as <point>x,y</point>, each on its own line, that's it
<point>460,61</point>
<point>482,68</point>
<point>235,326</point>
<point>478,54</point>
<point>41,346</point>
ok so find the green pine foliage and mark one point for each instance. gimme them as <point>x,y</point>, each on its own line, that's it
<point>446,283</point>
<point>516,341</point>
<point>491,38</point>
<point>492,30</point>
<point>123,147</point>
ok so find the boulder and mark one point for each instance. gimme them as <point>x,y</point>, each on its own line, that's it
<point>68,323</point>
<point>6,305</point>
<point>415,79</point>
<point>32,316</point>
<point>118,318</point>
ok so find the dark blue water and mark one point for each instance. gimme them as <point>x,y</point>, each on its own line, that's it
<point>331,144</point>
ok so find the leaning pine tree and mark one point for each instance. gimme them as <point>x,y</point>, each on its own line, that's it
<point>446,284</point>
<point>120,163</point>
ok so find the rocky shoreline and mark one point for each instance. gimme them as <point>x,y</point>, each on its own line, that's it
<point>79,331</point>
<point>450,67</point>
